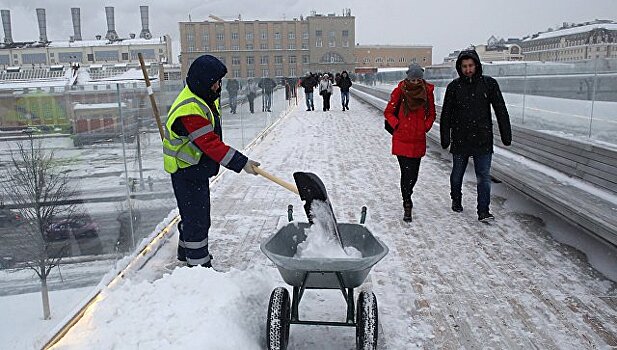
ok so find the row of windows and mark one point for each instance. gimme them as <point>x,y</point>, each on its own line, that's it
<point>264,60</point>
<point>250,47</point>
<point>278,72</point>
<point>67,57</point>
<point>190,36</point>
<point>368,60</point>
<point>331,34</point>
<point>331,43</point>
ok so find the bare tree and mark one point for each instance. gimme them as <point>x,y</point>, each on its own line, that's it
<point>36,186</point>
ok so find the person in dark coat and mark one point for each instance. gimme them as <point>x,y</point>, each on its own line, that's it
<point>233,86</point>
<point>251,93</point>
<point>267,86</point>
<point>344,83</point>
<point>309,83</point>
<point>411,113</point>
<point>467,127</point>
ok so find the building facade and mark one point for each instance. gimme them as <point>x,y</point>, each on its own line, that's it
<point>59,53</point>
<point>392,56</point>
<point>573,42</point>
<point>495,50</point>
<point>290,48</point>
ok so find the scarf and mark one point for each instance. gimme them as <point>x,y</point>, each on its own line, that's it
<point>414,96</point>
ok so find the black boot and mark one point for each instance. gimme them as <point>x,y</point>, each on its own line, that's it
<point>457,206</point>
<point>407,206</point>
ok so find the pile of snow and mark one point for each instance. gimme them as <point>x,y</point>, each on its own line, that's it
<point>190,308</point>
<point>320,237</point>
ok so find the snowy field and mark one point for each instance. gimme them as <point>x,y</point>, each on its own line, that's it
<point>449,282</point>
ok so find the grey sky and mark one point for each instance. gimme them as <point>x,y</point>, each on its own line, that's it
<point>446,25</point>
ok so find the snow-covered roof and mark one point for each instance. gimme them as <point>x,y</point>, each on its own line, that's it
<point>84,106</point>
<point>574,30</point>
<point>103,42</point>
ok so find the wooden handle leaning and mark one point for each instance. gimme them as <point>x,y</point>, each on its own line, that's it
<point>276,180</point>
<point>155,109</point>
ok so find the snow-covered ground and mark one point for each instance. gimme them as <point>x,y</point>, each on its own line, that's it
<point>449,282</point>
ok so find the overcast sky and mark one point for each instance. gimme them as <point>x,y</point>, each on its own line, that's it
<point>446,25</point>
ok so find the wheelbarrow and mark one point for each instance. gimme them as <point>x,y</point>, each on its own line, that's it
<point>318,273</point>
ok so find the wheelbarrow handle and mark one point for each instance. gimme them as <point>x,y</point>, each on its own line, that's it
<point>276,180</point>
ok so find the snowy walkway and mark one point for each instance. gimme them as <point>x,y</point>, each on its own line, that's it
<point>448,282</point>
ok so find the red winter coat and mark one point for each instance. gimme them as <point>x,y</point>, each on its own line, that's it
<point>409,138</point>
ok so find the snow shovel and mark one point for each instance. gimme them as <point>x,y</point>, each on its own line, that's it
<point>311,188</point>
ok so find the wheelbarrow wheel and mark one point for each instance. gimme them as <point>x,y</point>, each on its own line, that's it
<point>366,321</point>
<point>279,313</point>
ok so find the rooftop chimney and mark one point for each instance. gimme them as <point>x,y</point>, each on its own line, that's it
<point>75,15</point>
<point>6,23</point>
<point>40,15</point>
<point>111,24</point>
<point>145,26</point>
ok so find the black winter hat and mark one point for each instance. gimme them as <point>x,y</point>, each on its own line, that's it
<point>203,73</point>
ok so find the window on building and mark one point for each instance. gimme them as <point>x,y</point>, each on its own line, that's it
<point>318,33</point>
<point>220,47</point>
<point>250,60</point>
<point>250,73</point>
<point>291,35</point>
<point>125,56</point>
<point>367,60</point>
<point>332,57</point>
<point>220,36</point>
<point>249,46</point>
<point>391,60</point>
<point>235,47</point>
<point>278,72</point>
<point>249,36</point>
<point>277,36</point>
<point>292,71</point>
<point>264,60</point>
<point>332,35</point>
<point>332,43</point>
<point>291,46</point>
<point>190,36</point>
<point>304,46</point>
<point>305,36</point>
<point>205,36</point>
<point>263,46</point>
<point>235,36</point>
<point>379,60</point>
<point>264,35</point>
<point>236,73</point>
<point>292,60</point>
<point>235,60</point>
<point>345,33</point>
<point>265,73</point>
<point>346,43</point>
<point>402,60</point>
<point>277,46</point>
<point>305,59</point>
<point>319,43</point>
<point>90,57</point>
<point>278,59</point>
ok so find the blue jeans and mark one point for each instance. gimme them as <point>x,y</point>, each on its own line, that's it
<point>344,98</point>
<point>309,100</point>
<point>482,166</point>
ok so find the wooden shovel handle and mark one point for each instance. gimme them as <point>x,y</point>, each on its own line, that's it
<point>276,180</point>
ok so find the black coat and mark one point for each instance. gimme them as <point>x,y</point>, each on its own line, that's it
<point>344,83</point>
<point>309,83</point>
<point>466,123</point>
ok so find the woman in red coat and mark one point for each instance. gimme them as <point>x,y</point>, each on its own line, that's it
<point>411,113</point>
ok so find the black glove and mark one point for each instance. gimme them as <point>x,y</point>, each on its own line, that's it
<point>445,142</point>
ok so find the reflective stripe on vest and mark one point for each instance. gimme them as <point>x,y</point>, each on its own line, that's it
<point>179,151</point>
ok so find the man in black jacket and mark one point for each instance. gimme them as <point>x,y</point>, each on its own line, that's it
<point>309,83</point>
<point>344,83</point>
<point>467,127</point>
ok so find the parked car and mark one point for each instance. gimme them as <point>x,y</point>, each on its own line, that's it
<point>81,228</point>
<point>9,218</point>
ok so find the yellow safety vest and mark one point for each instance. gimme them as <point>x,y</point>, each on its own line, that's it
<point>179,151</point>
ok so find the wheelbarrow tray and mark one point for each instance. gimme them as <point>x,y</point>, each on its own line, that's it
<point>323,273</point>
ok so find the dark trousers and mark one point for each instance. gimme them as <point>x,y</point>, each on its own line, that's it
<point>251,99</point>
<point>482,166</point>
<point>193,198</point>
<point>409,175</point>
<point>267,102</point>
<point>345,98</point>
<point>233,102</point>
<point>326,101</point>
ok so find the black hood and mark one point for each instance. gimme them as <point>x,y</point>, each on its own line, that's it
<point>469,54</point>
<point>202,74</point>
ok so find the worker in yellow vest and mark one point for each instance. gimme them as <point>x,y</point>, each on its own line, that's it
<point>193,150</point>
